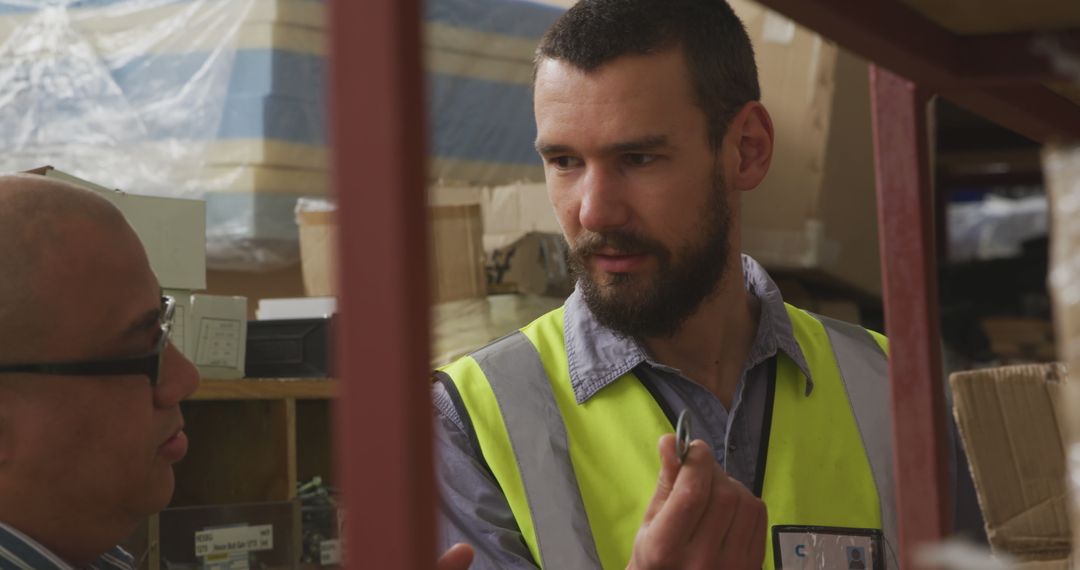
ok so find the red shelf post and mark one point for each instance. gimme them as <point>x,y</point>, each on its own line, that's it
<point>909,274</point>
<point>383,411</point>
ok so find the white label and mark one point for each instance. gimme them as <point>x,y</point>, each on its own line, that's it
<point>825,551</point>
<point>330,552</point>
<point>219,343</point>
<point>234,539</point>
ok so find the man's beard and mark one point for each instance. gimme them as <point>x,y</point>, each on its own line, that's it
<point>656,305</point>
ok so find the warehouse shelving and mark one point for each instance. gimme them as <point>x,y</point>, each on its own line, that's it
<point>976,54</point>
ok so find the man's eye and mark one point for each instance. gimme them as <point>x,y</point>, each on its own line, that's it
<point>639,159</point>
<point>564,162</point>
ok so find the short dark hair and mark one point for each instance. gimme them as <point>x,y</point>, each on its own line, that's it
<point>713,39</point>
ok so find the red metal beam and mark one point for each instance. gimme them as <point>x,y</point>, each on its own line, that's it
<point>894,36</point>
<point>1012,58</point>
<point>909,275</point>
<point>383,412</point>
<point>1030,110</point>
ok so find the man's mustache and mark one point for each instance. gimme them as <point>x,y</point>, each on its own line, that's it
<point>627,243</point>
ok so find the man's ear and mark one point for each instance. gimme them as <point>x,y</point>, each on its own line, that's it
<point>751,135</point>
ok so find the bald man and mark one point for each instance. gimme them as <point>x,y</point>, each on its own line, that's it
<point>90,387</point>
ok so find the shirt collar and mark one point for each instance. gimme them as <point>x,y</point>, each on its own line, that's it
<point>19,548</point>
<point>597,356</point>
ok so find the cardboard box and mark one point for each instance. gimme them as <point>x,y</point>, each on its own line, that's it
<point>456,249</point>
<point>457,253</point>
<point>815,213</point>
<point>1020,338</point>
<point>1009,421</point>
<point>1061,168</point>
<point>1056,564</point>
<point>534,264</point>
<point>523,244</point>
<point>318,251</point>
<point>172,230</point>
<point>512,211</point>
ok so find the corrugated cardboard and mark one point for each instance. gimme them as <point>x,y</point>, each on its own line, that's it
<point>523,244</point>
<point>1056,564</point>
<point>457,252</point>
<point>1061,167</point>
<point>318,252</point>
<point>172,231</point>
<point>1010,426</point>
<point>815,213</point>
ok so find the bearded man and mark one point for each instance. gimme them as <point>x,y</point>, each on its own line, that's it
<point>650,125</point>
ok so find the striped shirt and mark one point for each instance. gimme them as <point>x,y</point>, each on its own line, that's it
<point>20,552</point>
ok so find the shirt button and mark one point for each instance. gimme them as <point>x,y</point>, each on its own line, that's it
<point>731,448</point>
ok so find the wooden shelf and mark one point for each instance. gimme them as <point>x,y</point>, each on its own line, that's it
<point>266,389</point>
<point>251,441</point>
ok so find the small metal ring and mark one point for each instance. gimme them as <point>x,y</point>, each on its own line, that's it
<point>682,436</point>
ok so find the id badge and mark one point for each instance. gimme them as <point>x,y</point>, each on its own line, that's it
<point>827,548</point>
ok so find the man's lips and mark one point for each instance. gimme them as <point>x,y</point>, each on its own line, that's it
<point>617,262</point>
<point>175,447</point>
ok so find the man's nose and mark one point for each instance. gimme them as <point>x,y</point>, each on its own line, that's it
<point>604,205</point>
<point>177,379</point>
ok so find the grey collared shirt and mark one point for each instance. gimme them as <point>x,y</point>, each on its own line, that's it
<point>474,507</point>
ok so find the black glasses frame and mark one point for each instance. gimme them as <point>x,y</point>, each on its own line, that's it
<point>146,364</point>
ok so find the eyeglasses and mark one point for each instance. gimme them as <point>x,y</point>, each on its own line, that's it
<point>146,365</point>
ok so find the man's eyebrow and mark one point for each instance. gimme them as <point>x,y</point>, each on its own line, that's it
<point>649,142</point>
<point>642,144</point>
<point>546,149</point>
<point>149,320</point>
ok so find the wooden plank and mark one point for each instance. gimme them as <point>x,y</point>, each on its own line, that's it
<point>153,561</point>
<point>1000,16</point>
<point>286,427</point>
<point>1010,58</point>
<point>909,275</point>
<point>314,441</point>
<point>384,443</point>
<point>265,389</point>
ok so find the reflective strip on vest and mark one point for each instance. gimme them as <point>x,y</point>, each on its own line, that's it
<point>605,471</point>
<point>871,400</point>
<point>538,437</point>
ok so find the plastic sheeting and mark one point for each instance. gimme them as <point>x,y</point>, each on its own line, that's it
<point>224,100</point>
<point>166,97</point>
<point>996,227</point>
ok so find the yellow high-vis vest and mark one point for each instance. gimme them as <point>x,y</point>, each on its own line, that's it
<point>578,477</point>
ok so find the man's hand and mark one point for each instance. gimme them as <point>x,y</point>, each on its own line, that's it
<point>459,557</point>
<point>699,517</point>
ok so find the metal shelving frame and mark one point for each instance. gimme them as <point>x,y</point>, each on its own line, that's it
<point>378,137</point>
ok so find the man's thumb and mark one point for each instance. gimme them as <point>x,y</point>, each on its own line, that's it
<point>669,469</point>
